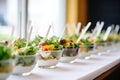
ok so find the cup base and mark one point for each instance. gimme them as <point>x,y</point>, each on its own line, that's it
<point>47,67</point>
<point>23,74</point>
<point>86,57</point>
<point>68,59</point>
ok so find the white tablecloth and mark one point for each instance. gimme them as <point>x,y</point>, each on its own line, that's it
<point>80,70</point>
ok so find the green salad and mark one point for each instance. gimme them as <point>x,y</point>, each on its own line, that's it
<point>5,52</point>
<point>71,37</point>
<point>19,43</point>
<point>86,42</point>
<point>26,56</point>
<point>51,44</point>
<point>29,50</point>
<point>69,44</point>
<point>36,41</point>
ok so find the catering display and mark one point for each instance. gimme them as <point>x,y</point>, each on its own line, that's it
<point>44,52</point>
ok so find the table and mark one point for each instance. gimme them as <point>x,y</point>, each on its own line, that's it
<point>80,70</point>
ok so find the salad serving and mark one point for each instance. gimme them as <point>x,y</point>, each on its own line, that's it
<point>26,56</point>
<point>86,48</point>
<point>6,63</point>
<point>25,60</point>
<point>50,53</point>
<point>70,50</point>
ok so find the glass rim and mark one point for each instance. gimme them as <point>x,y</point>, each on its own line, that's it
<point>24,55</point>
<point>85,46</point>
<point>6,60</point>
<point>103,42</point>
<point>51,50</point>
<point>71,48</point>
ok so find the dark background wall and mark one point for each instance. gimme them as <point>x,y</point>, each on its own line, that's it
<point>109,12</point>
<point>104,10</point>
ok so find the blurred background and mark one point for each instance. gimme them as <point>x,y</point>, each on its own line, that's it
<point>104,10</point>
<point>57,13</point>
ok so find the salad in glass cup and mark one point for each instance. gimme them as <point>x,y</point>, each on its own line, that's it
<point>50,53</point>
<point>86,49</point>
<point>25,60</point>
<point>70,51</point>
<point>102,45</point>
<point>6,62</point>
<point>114,41</point>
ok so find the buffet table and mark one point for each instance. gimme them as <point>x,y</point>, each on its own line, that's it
<point>81,69</point>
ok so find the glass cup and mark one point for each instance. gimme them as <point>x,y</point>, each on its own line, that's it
<point>101,47</point>
<point>69,55</point>
<point>24,64</point>
<point>6,67</point>
<point>49,59</point>
<point>109,46</point>
<point>115,45</point>
<point>86,51</point>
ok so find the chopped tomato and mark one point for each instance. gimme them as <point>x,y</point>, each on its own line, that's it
<point>71,40</point>
<point>43,44</point>
<point>45,49</point>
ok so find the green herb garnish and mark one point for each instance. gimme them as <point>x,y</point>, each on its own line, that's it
<point>30,50</point>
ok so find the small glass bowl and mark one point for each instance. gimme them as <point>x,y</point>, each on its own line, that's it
<point>114,46</point>
<point>24,64</point>
<point>117,45</point>
<point>101,47</point>
<point>69,55</point>
<point>6,67</point>
<point>104,47</point>
<point>86,51</point>
<point>49,59</point>
<point>109,46</point>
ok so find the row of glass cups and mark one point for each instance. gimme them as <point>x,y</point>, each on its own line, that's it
<point>106,47</point>
<point>68,55</point>
<point>49,59</point>
<point>23,65</point>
